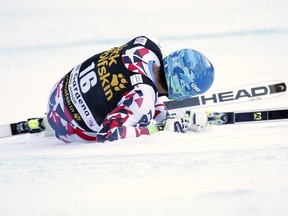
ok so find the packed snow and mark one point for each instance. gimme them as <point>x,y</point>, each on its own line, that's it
<point>227,170</point>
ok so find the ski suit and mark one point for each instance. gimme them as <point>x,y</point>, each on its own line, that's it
<point>110,96</point>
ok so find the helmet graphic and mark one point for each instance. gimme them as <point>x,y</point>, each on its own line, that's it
<point>188,73</point>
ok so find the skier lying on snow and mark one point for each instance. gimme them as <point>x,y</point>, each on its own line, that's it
<point>115,94</point>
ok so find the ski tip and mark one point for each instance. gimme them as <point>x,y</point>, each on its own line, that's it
<point>5,131</point>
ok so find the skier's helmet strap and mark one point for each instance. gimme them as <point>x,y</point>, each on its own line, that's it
<point>188,73</point>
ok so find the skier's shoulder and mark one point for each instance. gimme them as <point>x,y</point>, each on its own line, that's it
<point>142,39</point>
<point>148,41</point>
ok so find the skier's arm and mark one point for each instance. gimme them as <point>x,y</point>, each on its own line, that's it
<point>132,117</point>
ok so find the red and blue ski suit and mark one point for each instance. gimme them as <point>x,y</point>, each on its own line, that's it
<point>110,96</point>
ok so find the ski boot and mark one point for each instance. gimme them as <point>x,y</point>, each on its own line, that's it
<point>33,125</point>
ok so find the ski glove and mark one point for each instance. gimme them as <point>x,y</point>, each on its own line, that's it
<point>196,121</point>
<point>191,121</point>
<point>179,125</point>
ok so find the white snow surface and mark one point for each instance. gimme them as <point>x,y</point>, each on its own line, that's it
<point>228,170</point>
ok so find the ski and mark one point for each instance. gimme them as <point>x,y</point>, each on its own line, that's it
<point>36,125</point>
<point>33,125</point>
<point>251,92</point>
<point>222,118</point>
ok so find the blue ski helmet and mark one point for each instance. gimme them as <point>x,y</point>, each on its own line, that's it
<point>188,73</point>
